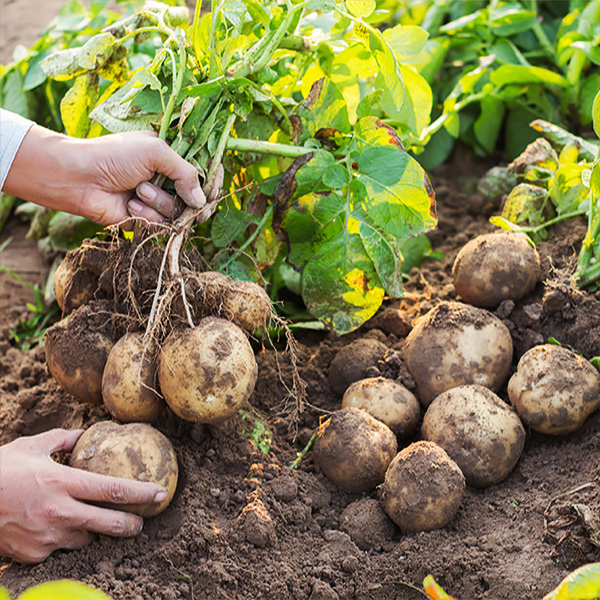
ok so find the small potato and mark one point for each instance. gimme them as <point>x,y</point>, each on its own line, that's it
<point>352,361</point>
<point>423,488</point>
<point>386,400</point>
<point>206,373</point>
<point>554,389</point>
<point>457,344</point>
<point>495,267</point>
<point>247,304</point>
<point>132,451</point>
<point>74,286</point>
<point>76,354</point>
<point>129,381</point>
<point>480,432</point>
<point>353,449</point>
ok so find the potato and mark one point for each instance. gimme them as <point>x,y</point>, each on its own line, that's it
<point>74,286</point>
<point>554,389</point>
<point>352,361</point>
<point>386,400</point>
<point>456,344</point>
<point>132,451</point>
<point>129,381</point>
<point>495,267</point>
<point>247,304</point>
<point>423,488</point>
<point>353,449</point>
<point>479,431</point>
<point>76,354</point>
<point>206,373</point>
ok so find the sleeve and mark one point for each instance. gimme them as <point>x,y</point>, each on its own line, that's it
<point>13,129</point>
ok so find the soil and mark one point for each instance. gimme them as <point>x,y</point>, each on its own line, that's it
<point>243,525</point>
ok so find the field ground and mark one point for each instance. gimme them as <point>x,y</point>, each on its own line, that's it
<point>244,526</point>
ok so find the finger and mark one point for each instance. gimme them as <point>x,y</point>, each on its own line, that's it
<point>105,521</point>
<point>55,440</point>
<point>166,161</point>
<point>206,214</point>
<point>93,487</point>
<point>77,539</point>
<point>156,198</point>
<point>143,211</point>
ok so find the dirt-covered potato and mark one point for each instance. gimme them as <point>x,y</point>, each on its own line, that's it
<point>132,451</point>
<point>554,389</point>
<point>352,361</point>
<point>457,344</point>
<point>129,381</point>
<point>206,373</point>
<point>478,430</point>
<point>495,267</point>
<point>74,286</point>
<point>388,401</point>
<point>76,352</point>
<point>247,304</point>
<point>423,488</point>
<point>353,449</point>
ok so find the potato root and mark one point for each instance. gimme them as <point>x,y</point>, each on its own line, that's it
<point>206,373</point>
<point>353,449</point>
<point>554,389</point>
<point>479,431</point>
<point>132,451</point>
<point>129,381</point>
<point>388,401</point>
<point>457,344</point>
<point>495,267</point>
<point>423,488</point>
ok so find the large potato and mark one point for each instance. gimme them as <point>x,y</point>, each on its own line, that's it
<point>423,488</point>
<point>386,400</point>
<point>129,381</point>
<point>76,354</point>
<point>352,361</point>
<point>354,449</point>
<point>480,432</point>
<point>132,451</point>
<point>456,344</point>
<point>495,267</point>
<point>554,389</point>
<point>206,373</point>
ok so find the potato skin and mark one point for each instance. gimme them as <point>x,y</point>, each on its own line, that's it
<point>494,267</point>
<point>246,304</point>
<point>74,286</point>
<point>457,344</point>
<point>206,373</point>
<point>133,451</point>
<point>554,389</point>
<point>386,400</point>
<point>423,488</point>
<point>480,432</point>
<point>129,381</point>
<point>76,355</point>
<point>353,449</point>
<point>352,361</point>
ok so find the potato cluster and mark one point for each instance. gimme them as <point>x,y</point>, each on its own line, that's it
<point>460,357</point>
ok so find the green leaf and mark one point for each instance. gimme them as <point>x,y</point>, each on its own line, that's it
<point>488,124</point>
<point>66,232</point>
<point>510,74</point>
<point>406,40</point>
<point>595,362</point>
<point>63,590</point>
<point>389,66</point>
<point>228,225</point>
<point>567,190</point>
<point>368,105</point>
<point>323,5</point>
<point>596,114</point>
<point>595,180</point>
<point>335,177</point>
<point>510,19</point>
<point>235,12</point>
<point>582,584</point>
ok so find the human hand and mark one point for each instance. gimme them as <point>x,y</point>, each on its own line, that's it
<point>98,178</point>
<point>43,503</point>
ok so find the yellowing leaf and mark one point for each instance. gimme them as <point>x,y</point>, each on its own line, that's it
<point>65,589</point>
<point>361,8</point>
<point>582,584</point>
<point>433,590</point>
<point>4,595</point>
<point>77,103</point>
<point>523,200</point>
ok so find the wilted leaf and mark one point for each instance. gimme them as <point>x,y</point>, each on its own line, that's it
<point>66,232</point>
<point>524,201</point>
<point>77,103</point>
<point>561,137</point>
<point>433,589</point>
<point>539,153</point>
<point>63,65</point>
<point>497,182</point>
<point>567,190</point>
<point>582,584</point>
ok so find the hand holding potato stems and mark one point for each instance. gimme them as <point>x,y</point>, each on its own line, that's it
<point>44,505</point>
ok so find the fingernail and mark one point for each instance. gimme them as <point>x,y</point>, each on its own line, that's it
<point>161,496</point>
<point>134,207</point>
<point>146,191</point>
<point>198,197</point>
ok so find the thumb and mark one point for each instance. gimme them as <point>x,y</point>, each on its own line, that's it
<point>55,440</point>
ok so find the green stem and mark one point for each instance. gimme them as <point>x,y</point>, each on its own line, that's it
<point>166,120</point>
<point>216,161</point>
<point>565,217</point>
<point>247,243</point>
<point>302,454</point>
<point>589,275</point>
<point>244,145</point>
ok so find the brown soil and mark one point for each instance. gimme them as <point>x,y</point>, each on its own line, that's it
<point>243,525</point>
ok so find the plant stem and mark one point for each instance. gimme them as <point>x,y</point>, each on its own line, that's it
<point>245,145</point>
<point>302,454</point>
<point>258,229</point>
<point>166,120</point>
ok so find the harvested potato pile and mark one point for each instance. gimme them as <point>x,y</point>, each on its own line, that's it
<point>133,451</point>
<point>478,430</point>
<point>495,267</point>
<point>456,344</point>
<point>353,449</point>
<point>554,389</point>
